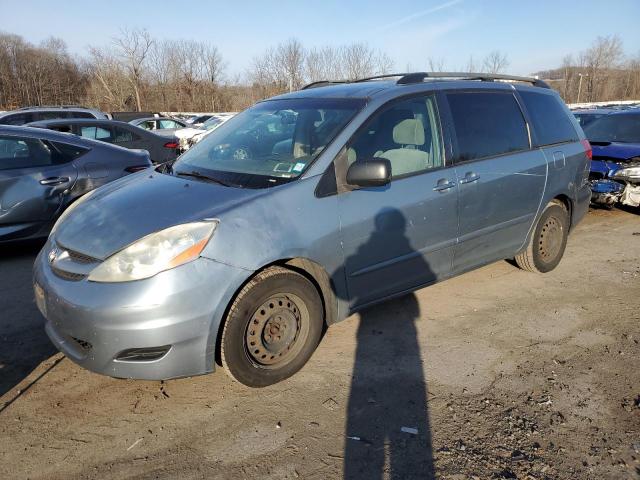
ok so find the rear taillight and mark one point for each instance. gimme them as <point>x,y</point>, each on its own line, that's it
<point>136,168</point>
<point>587,148</point>
<point>171,145</point>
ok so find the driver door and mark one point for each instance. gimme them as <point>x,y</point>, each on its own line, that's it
<point>400,236</point>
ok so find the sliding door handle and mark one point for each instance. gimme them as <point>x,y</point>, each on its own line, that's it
<point>443,185</point>
<point>470,177</point>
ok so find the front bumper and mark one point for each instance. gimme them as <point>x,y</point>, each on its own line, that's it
<point>92,323</point>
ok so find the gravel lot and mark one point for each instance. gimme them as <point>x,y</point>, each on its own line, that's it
<point>504,374</point>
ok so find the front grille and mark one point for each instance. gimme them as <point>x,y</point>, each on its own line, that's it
<point>72,277</point>
<point>84,345</point>
<point>80,257</point>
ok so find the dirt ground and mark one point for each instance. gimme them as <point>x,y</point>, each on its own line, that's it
<point>502,373</point>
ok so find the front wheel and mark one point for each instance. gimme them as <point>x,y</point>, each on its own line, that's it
<point>272,328</point>
<point>548,241</point>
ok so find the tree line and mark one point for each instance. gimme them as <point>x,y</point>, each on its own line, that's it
<point>135,71</point>
<point>601,72</point>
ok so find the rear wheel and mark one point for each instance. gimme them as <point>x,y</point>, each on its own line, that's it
<point>272,328</point>
<point>548,241</point>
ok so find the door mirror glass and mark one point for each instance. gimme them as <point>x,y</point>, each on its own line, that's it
<point>369,173</point>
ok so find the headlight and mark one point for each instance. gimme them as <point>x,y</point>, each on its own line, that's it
<point>69,209</point>
<point>155,253</point>
<point>629,173</point>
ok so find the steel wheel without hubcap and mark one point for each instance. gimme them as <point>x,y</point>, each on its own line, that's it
<point>551,239</point>
<point>277,331</point>
<point>272,327</point>
<point>548,240</point>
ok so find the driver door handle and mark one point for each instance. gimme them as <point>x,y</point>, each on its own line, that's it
<point>470,177</point>
<point>54,181</point>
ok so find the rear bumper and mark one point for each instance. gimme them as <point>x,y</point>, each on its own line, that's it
<point>581,207</point>
<point>92,323</point>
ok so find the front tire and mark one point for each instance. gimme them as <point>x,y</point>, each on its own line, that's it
<point>272,328</point>
<point>548,241</point>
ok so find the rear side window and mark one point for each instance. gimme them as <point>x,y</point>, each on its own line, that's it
<point>168,124</point>
<point>96,133</point>
<point>487,124</point>
<point>63,152</point>
<point>76,114</point>
<point>51,115</point>
<point>17,152</point>
<point>122,135</point>
<point>550,120</point>
<point>17,119</point>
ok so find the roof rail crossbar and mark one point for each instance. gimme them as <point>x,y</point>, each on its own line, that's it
<point>485,77</point>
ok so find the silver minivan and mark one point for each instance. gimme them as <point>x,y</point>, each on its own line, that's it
<point>304,209</point>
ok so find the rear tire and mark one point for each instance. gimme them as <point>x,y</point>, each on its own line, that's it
<point>548,241</point>
<point>272,328</point>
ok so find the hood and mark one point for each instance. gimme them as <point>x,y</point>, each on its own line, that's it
<point>128,209</point>
<point>615,151</point>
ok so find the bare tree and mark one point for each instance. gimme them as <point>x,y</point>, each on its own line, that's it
<point>604,54</point>
<point>436,64</point>
<point>134,46</point>
<point>495,62</point>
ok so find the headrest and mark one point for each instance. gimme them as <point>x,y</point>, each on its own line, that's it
<point>409,132</point>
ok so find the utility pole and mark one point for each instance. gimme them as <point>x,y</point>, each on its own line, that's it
<point>580,85</point>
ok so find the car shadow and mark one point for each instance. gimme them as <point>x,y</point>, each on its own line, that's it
<point>388,434</point>
<point>24,344</point>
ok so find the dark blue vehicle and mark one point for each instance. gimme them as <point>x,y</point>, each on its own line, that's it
<point>588,116</point>
<point>615,167</point>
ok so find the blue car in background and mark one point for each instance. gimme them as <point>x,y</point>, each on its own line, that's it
<point>615,166</point>
<point>588,116</point>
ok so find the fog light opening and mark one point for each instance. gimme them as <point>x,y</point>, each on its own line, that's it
<point>143,354</point>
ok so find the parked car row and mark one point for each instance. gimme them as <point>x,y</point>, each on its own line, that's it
<point>161,148</point>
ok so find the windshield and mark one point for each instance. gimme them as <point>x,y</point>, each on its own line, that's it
<point>624,128</point>
<point>271,143</point>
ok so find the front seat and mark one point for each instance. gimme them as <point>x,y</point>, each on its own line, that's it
<point>409,134</point>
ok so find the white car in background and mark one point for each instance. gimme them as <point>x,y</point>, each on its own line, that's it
<point>209,126</point>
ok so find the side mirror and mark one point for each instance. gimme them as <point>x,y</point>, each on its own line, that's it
<point>369,173</point>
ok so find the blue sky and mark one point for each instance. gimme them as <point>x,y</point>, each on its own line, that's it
<point>534,35</point>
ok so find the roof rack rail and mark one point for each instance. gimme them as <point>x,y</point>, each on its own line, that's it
<point>418,77</point>
<point>484,77</point>
<point>322,83</point>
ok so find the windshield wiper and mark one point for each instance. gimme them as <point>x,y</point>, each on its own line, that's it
<point>201,176</point>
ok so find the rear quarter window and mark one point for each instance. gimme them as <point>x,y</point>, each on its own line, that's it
<point>550,120</point>
<point>17,119</point>
<point>487,124</point>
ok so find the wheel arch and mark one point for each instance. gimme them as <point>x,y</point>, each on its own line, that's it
<point>567,203</point>
<point>313,271</point>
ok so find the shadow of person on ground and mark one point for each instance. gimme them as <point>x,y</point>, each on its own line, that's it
<point>388,389</point>
<point>23,342</point>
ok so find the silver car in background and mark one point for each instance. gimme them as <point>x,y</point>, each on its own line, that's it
<point>304,209</point>
<point>43,172</point>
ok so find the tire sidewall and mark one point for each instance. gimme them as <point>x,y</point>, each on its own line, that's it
<point>561,214</point>
<point>235,357</point>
